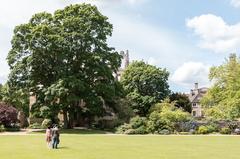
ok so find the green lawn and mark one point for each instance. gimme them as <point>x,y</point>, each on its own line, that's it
<point>121,147</point>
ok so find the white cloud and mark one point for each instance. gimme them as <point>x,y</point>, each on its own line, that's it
<point>190,73</point>
<point>235,3</point>
<point>215,33</point>
<point>156,45</point>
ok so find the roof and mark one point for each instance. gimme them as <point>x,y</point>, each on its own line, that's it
<point>197,94</point>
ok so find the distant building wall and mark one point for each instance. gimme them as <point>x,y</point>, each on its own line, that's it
<point>195,97</point>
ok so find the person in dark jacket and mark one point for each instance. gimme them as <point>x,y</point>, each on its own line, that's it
<point>55,138</point>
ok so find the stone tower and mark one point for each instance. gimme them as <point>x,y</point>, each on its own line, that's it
<point>125,59</point>
<point>124,65</point>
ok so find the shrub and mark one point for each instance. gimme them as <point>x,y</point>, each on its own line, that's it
<point>203,130</point>
<point>212,128</point>
<point>124,110</point>
<point>137,125</point>
<point>165,116</point>
<point>164,132</point>
<point>174,115</point>
<point>155,123</point>
<point>233,125</point>
<point>192,131</point>
<point>141,130</point>
<point>225,130</point>
<point>104,124</point>
<point>206,129</point>
<point>35,126</point>
<point>123,128</point>
<point>8,115</point>
<point>137,122</point>
<point>186,126</point>
<point>130,132</point>
<point>46,123</point>
<point>2,128</point>
<point>13,128</point>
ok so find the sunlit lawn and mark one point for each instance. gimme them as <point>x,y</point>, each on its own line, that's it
<point>74,146</point>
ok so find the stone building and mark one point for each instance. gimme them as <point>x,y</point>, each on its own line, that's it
<point>195,96</point>
<point>124,65</point>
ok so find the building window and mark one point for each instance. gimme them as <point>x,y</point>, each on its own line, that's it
<point>194,104</point>
<point>194,113</point>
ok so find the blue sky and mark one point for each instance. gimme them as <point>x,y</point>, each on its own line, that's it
<point>186,37</point>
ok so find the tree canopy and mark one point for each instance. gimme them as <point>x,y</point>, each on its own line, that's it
<point>223,98</point>
<point>181,101</point>
<point>64,57</point>
<point>145,85</point>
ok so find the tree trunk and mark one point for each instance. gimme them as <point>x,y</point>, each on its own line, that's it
<point>70,121</point>
<point>65,119</point>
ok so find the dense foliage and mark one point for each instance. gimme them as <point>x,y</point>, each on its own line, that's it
<point>165,116</point>
<point>145,85</point>
<point>18,98</point>
<point>137,125</point>
<point>64,58</point>
<point>223,98</point>
<point>162,120</point>
<point>123,110</point>
<point>181,101</point>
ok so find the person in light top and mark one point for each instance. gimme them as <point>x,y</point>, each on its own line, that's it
<point>48,136</point>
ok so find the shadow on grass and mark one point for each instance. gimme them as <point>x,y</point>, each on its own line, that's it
<point>77,131</point>
<point>63,147</point>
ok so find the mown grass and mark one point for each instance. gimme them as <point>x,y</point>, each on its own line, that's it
<point>121,147</point>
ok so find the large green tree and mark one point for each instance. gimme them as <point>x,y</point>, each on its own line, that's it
<point>64,58</point>
<point>223,98</point>
<point>145,85</point>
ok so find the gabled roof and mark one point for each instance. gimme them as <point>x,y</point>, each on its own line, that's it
<point>198,94</point>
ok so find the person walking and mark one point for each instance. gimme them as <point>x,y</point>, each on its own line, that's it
<point>48,136</point>
<point>55,137</point>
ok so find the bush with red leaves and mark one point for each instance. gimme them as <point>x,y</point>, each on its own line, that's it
<point>8,115</point>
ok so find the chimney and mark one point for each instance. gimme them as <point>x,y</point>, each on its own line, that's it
<point>196,85</point>
<point>126,59</point>
<point>192,93</point>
